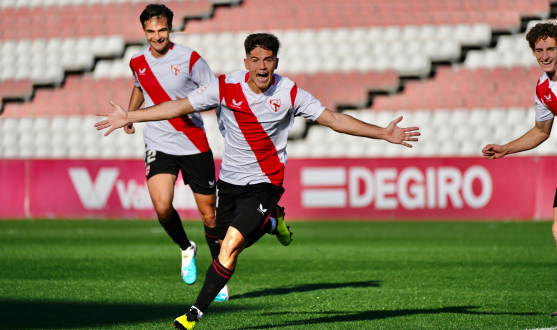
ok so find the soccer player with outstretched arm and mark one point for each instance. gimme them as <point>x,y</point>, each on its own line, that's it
<point>542,39</point>
<point>166,71</point>
<point>257,111</point>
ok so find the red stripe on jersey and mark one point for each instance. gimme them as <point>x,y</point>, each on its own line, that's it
<point>546,95</point>
<point>258,140</point>
<point>193,58</point>
<point>158,95</point>
<point>293,93</point>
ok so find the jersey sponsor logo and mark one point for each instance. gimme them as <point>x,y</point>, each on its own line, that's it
<point>275,105</point>
<point>261,209</point>
<point>236,105</point>
<point>142,71</point>
<point>175,68</point>
<point>547,97</point>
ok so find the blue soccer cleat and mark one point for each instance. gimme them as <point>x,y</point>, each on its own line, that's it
<point>223,294</point>
<point>189,268</point>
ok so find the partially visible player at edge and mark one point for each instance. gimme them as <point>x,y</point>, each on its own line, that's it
<point>165,71</point>
<point>257,111</point>
<point>542,39</point>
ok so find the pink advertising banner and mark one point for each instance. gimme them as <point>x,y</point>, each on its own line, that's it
<point>514,188</point>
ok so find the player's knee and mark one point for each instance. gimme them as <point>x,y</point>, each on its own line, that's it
<point>209,219</point>
<point>164,209</point>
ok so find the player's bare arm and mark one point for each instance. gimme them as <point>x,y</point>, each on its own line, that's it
<point>530,140</point>
<point>136,100</point>
<point>349,125</point>
<point>163,111</point>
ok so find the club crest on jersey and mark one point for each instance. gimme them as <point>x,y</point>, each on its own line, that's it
<point>275,105</point>
<point>142,71</point>
<point>175,68</point>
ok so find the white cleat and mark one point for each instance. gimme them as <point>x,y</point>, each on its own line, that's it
<point>189,267</point>
<point>223,294</point>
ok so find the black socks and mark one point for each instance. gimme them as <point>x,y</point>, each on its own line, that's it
<point>216,279</point>
<point>175,230</point>
<point>213,241</point>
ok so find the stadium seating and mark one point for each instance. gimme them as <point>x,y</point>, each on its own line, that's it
<point>82,48</point>
<point>317,14</point>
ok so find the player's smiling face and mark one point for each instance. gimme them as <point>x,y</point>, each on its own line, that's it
<point>157,30</point>
<point>545,51</point>
<point>261,64</point>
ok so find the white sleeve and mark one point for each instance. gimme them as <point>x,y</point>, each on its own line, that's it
<point>201,73</point>
<point>307,106</point>
<point>205,97</point>
<point>136,81</point>
<point>542,111</point>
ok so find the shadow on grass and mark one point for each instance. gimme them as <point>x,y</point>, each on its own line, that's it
<point>20,314</point>
<point>306,288</point>
<point>324,317</point>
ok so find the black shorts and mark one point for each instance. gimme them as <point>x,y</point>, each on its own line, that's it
<point>197,170</point>
<point>555,200</point>
<point>258,200</point>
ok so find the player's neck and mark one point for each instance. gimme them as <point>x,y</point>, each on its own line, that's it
<point>551,76</point>
<point>254,88</point>
<point>163,52</point>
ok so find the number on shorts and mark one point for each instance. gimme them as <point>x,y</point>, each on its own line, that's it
<point>150,156</point>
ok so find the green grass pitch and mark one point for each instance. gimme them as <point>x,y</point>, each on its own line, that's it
<point>335,275</point>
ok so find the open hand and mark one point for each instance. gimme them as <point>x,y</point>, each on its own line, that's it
<point>399,135</point>
<point>493,151</point>
<point>116,119</point>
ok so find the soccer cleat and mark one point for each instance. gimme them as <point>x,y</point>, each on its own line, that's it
<point>282,232</point>
<point>189,320</point>
<point>223,294</point>
<point>554,314</point>
<point>189,268</point>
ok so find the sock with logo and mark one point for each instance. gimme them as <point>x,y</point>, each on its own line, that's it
<point>216,279</point>
<point>212,238</point>
<point>175,230</point>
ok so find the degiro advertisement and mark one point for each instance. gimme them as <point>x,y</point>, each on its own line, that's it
<point>513,188</point>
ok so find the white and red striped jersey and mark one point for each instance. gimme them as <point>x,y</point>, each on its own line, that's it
<point>173,75</point>
<point>254,126</point>
<point>546,101</point>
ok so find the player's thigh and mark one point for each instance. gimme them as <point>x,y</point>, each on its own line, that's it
<point>161,170</point>
<point>161,190</point>
<point>226,195</point>
<point>254,206</point>
<point>206,207</point>
<point>199,172</point>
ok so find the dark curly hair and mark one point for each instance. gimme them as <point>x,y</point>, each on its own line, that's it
<point>264,40</point>
<point>541,31</point>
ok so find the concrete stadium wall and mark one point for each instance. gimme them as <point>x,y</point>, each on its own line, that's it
<point>513,188</point>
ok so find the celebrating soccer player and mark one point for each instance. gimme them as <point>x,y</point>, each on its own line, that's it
<point>257,111</point>
<point>542,39</point>
<point>165,71</point>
